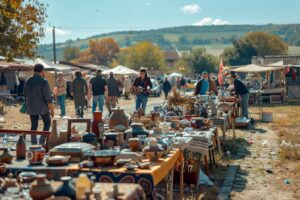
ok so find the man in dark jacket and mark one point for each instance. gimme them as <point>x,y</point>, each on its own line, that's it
<point>38,100</point>
<point>113,92</point>
<point>166,86</point>
<point>242,92</point>
<point>97,89</point>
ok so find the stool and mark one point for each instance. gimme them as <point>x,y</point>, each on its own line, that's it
<point>211,156</point>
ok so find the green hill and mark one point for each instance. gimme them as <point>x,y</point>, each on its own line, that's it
<point>214,38</point>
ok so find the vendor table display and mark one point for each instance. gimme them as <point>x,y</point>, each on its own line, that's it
<point>147,178</point>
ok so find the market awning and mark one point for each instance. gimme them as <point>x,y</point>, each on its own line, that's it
<point>14,66</point>
<point>174,74</point>
<point>54,67</point>
<point>121,70</point>
<point>253,68</point>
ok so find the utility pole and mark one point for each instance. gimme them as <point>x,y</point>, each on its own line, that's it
<point>54,46</point>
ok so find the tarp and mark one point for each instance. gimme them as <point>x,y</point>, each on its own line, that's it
<point>121,70</point>
<point>252,68</point>
<point>54,67</point>
<point>174,74</point>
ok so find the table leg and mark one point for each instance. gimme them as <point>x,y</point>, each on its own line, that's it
<point>219,143</point>
<point>206,164</point>
<point>181,180</point>
<point>171,184</point>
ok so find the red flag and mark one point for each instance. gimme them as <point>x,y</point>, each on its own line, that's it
<point>220,75</point>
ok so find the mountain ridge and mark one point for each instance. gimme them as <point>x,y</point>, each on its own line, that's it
<point>182,37</point>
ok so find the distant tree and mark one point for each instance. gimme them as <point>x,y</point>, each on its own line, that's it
<point>266,43</point>
<point>198,60</point>
<point>100,52</point>
<point>183,40</point>
<point>254,44</point>
<point>144,54</point>
<point>71,53</point>
<point>202,61</point>
<point>21,27</point>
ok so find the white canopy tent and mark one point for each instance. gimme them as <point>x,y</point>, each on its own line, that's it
<point>253,68</point>
<point>121,70</point>
<point>174,74</point>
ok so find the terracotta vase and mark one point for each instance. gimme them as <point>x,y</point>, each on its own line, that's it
<point>5,157</point>
<point>97,119</point>
<point>36,154</point>
<point>53,140</point>
<point>21,148</point>
<point>118,117</point>
<point>67,189</point>
<point>134,143</point>
<point>40,189</point>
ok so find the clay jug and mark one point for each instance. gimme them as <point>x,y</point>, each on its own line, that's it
<point>118,117</point>
<point>53,140</point>
<point>66,189</point>
<point>40,189</point>
<point>97,119</point>
<point>21,148</point>
<point>5,157</point>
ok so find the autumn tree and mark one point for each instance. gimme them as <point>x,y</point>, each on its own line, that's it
<point>71,53</point>
<point>100,52</point>
<point>21,27</point>
<point>143,54</point>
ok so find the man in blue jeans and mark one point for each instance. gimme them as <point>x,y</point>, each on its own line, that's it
<point>142,86</point>
<point>97,89</point>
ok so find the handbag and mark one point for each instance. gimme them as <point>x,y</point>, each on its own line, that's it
<point>23,108</point>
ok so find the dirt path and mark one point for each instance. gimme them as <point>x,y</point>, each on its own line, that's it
<point>262,174</point>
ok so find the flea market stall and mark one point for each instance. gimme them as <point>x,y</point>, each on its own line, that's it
<point>137,153</point>
<point>268,81</point>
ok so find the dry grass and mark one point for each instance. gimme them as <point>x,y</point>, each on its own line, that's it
<point>287,122</point>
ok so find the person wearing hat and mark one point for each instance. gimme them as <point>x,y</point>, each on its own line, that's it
<point>242,92</point>
<point>205,85</point>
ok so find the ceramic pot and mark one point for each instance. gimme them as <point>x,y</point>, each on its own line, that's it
<point>67,189</point>
<point>5,157</point>
<point>89,138</point>
<point>118,117</point>
<point>40,189</point>
<point>21,148</point>
<point>36,155</point>
<point>134,143</point>
<point>53,140</point>
<point>97,119</point>
<point>27,177</point>
<point>153,153</point>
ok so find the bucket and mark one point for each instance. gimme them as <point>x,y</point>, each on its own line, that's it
<point>267,117</point>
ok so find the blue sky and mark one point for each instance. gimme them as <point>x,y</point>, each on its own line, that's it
<point>83,18</point>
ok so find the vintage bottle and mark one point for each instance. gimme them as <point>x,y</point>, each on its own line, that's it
<point>97,119</point>
<point>21,148</point>
<point>82,184</point>
<point>66,189</point>
<point>53,140</point>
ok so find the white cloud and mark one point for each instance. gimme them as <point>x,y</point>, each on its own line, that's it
<point>207,21</point>
<point>149,3</point>
<point>58,31</point>
<point>191,8</point>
